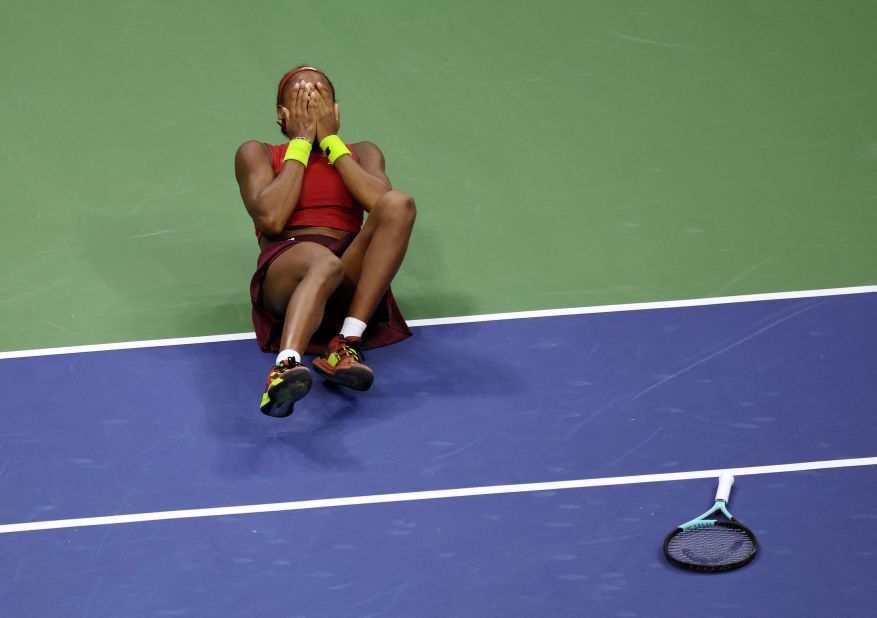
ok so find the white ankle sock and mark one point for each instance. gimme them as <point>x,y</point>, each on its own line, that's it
<point>284,354</point>
<point>352,327</point>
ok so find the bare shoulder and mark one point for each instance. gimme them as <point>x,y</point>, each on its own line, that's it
<point>368,152</point>
<point>252,152</point>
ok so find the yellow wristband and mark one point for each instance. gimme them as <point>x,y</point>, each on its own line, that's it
<point>298,150</point>
<point>334,148</point>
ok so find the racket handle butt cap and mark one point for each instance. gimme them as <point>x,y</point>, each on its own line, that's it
<point>726,480</point>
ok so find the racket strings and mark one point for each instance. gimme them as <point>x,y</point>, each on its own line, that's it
<point>711,546</point>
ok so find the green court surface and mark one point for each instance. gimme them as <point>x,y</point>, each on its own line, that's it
<point>562,154</point>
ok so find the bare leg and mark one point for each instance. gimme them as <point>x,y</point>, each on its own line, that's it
<point>298,284</point>
<point>374,257</point>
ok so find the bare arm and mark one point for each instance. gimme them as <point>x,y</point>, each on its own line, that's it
<point>365,177</point>
<point>270,200</point>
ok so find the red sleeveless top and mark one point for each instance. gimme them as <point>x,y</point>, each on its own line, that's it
<point>324,201</point>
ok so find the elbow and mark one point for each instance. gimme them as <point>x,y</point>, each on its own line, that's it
<point>270,226</point>
<point>267,218</point>
<point>377,196</point>
<point>271,229</point>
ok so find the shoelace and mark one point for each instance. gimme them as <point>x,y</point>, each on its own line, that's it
<point>345,348</point>
<point>289,363</point>
<point>280,367</point>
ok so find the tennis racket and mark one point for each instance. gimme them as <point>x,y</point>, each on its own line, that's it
<point>710,544</point>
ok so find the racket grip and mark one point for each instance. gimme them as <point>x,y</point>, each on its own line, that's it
<point>726,480</point>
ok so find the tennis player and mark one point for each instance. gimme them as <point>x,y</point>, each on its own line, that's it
<point>322,282</point>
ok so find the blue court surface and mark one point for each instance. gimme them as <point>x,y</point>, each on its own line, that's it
<point>470,405</point>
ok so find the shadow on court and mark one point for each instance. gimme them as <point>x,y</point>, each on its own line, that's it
<point>318,433</point>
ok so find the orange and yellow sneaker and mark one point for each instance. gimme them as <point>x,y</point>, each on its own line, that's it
<point>342,364</point>
<point>288,381</point>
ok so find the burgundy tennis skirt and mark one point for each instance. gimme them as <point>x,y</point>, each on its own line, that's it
<point>385,327</point>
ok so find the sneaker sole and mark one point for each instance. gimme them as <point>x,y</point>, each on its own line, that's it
<point>357,378</point>
<point>284,395</point>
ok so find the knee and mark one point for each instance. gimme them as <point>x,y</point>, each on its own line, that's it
<point>327,269</point>
<point>396,207</point>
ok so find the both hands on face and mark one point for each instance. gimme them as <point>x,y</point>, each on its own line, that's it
<point>312,114</point>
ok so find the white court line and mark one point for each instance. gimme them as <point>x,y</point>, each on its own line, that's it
<point>428,495</point>
<point>490,317</point>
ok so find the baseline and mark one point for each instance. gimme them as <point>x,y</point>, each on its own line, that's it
<point>431,495</point>
<point>491,317</point>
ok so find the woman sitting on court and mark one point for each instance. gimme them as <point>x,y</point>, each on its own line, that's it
<point>318,262</point>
